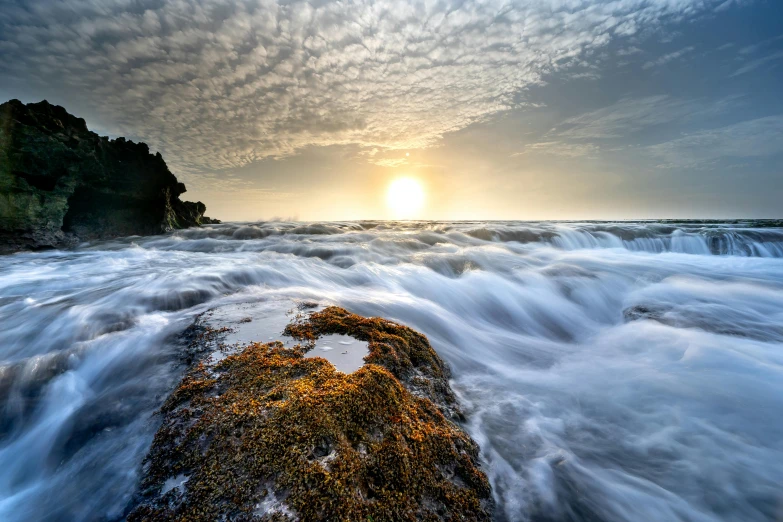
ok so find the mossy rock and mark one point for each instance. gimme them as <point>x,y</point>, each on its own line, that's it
<point>267,434</point>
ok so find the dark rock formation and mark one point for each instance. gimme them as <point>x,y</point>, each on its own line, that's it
<point>61,183</point>
<point>640,312</point>
<point>267,434</point>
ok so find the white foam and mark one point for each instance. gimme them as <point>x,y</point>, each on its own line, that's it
<point>177,482</point>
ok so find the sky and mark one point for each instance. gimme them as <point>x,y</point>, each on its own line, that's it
<point>521,109</point>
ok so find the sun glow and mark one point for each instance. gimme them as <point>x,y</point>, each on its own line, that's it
<point>405,198</point>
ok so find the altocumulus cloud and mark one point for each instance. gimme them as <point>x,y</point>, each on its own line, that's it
<point>218,84</point>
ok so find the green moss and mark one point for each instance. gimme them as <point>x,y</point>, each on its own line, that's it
<point>332,446</point>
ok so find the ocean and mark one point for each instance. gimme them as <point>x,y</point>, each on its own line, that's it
<point>610,371</point>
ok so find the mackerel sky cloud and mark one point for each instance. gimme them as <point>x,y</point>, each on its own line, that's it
<point>232,92</point>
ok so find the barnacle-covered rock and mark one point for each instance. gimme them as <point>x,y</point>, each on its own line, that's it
<point>267,434</point>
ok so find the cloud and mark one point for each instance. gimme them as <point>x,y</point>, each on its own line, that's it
<point>755,64</point>
<point>391,162</point>
<point>727,4</point>
<point>628,116</point>
<point>629,51</point>
<point>666,58</point>
<point>560,148</point>
<point>620,126</point>
<point>219,84</point>
<point>755,138</point>
<point>624,117</point>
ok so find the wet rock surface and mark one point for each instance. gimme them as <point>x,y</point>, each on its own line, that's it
<point>264,433</point>
<point>61,184</point>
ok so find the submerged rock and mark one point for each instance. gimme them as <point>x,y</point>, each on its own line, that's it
<point>61,183</point>
<point>267,434</point>
<point>640,312</point>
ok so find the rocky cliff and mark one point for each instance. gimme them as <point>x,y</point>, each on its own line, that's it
<point>61,183</point>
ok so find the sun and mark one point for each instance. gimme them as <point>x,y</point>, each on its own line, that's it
<point>405,198</point>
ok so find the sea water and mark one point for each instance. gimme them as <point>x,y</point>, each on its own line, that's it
<point>623,371</point>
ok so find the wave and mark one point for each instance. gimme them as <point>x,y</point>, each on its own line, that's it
<point>750,238</point>
<point>610,371</point>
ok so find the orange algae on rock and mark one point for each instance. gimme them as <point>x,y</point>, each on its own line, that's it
<point>267,434</point>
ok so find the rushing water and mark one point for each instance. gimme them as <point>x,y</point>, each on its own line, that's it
<point>610,371</point>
